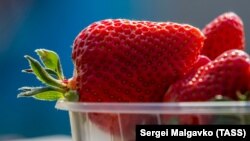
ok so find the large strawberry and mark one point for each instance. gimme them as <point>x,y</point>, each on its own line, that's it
<point>227,75</point>
<point>117,59</point>
<point>126,61</point>
<point>225,32</point>
<point>131,61</point>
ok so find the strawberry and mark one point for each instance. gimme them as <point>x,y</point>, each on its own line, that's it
<point>189,119</point>
<point>228,74</point>
<point>131,61</point>
<point>212,79</point>
<point>225,32</point>
<point>201,61</point>
<point>119,60</point>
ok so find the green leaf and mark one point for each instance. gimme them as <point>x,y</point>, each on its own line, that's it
<point>42,93</point>
<point>42,75</point>
<point>27,70</point>
<point>49,96</point>
<point>49,71</point>
<point>51,60</point>
<point>25,88</point>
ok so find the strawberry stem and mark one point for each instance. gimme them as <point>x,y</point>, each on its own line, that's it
<point>56,86</point>
<point>71,95</point>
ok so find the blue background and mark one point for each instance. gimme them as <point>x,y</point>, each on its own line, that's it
<point>26,25</point>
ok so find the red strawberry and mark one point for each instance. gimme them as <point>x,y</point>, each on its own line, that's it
<point>226,75</point>
<point>117,59</point>
<point>130,61</point>
<point>213,79</point>
<point>201,61</point>
<point>189,119</point>
<point>223,33</point>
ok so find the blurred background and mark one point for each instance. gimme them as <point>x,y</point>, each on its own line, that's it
<point>26,25</point>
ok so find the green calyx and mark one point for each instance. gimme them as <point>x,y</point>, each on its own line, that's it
<point>51,75</point>
<point>239,97</point>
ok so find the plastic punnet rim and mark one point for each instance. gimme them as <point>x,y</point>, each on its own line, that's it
<point>223,107</point>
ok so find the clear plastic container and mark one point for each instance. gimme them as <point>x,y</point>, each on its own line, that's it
<point>117,121</point>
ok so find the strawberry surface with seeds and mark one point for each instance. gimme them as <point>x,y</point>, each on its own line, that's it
<point>201,61</point>
<point>225,32</point>
<point>227,74</point>
<point>130,61</point>
<point>192,119</point>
